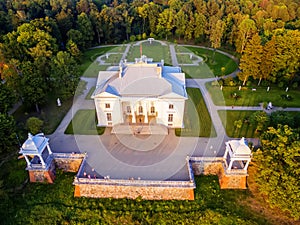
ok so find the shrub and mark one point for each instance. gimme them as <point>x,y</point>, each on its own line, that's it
<point>280,84</point>
<point>264,83</point>
<point>294,85</point>
<point>132,38</point>
<point>34,125</point>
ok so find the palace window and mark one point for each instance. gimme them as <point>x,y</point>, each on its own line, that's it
<point>140,109</point>
<point>108,117</point>
<point>170,118</point>
<point>171,106</point>
<point>128,109</point>
<point>152,110</point>
<point>107,105</point>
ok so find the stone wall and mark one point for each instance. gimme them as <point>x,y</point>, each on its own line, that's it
<point>133,192</point>
<point>215,166</point>
<point>68,162</point>
<point>42,175</point>
<point>232,181</point>
<point>206,165</point>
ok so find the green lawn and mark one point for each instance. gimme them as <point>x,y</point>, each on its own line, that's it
<point>220,61</point>
<point>229,116</point>
<point>185,58</point>
<point>197,121</point>
<point>201,71</point>
<point>253,98</point>
<point>84,122</point>
<point>89,94</point>
<point>89,57</point>
<point>154,50</point>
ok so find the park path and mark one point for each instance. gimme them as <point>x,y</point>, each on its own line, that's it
<point>173,55</point>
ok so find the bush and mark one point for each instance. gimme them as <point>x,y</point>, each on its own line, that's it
<point>132,38</point>
<point>264,83</point>
<point>280,84</point>
<point>34,125</point>
<point>295,85</point>
<point>249,83</point>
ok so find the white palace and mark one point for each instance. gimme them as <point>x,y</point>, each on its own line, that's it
<point>141,93</point>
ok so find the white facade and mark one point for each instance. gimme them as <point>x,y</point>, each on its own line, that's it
<point>141,93</point>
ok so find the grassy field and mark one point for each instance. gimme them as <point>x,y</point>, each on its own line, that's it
<point>201,71</point>
<point>154,50</point>
<point>84,122</point>
<point>185,58</point>
<point>89,68</point>
<point>229,116</point>
<point>89,94</point>
<point>253,98</point>
<point>197,121</point>
<point>219,61</point>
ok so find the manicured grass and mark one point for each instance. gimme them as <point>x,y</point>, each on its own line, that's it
<point>220,61</point>
<point>154,50</point>
<point>84,122</point>
<point>229,116</point>
<point>89,57</point>
<point>201,71</point>
<point>89,94</point>
<point>253,98</point>
<point>184,58</point>
<point>197,121</point>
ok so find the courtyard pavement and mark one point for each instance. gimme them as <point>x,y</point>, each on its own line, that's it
<point>149,157</point>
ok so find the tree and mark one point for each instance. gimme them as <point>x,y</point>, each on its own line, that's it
<point>266,67</point>
<point>34,125</point>
<point>7,98</point>
<point>85,27</point>
<point>283,118</point>
<point>238,124</point>
<point>260,120</point>
<point>165,23</point>
<point>286,60</point>
<point>34,86</point>
<point>181,23</point>
<point>251,60</point>
<point>245,31</point>
<point>278,168</point>
<point>7,133</point>
<point>200,24</point>
<point>216,35</point>
<point>65,75</point>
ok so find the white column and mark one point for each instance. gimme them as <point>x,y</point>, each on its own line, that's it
<point>247,164</point>
<point>146,113</point>
<point>49,150</point>
<point>42,161</point>
<point>230,164</point>
<point>132,113</point>
<point>27,160</point>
